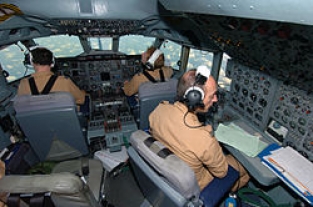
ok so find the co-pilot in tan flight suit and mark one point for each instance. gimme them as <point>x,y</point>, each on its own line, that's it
<point>131,87</point>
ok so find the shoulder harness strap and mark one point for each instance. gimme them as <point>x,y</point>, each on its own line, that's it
<point>47,88</point>
<point>33,87</point>
<point>149,76</point>
<point>49,84</point>
<point>161,75</point>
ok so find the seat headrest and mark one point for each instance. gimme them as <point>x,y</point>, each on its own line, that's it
<point>176,172</point>
<point>154,89</point>
<point>25,103</point>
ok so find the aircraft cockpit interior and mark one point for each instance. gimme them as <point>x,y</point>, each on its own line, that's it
<point>101,154</point>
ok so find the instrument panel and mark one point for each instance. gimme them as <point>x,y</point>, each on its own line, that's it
<point>101,73</point>
<point>282,111</point>
<point>251,93</point>
<point>292,109</point>
<point>102,77</point>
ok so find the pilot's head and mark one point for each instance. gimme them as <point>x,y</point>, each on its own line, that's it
<point>196,96</point>
<point>159,61</point>
<point>41,56</point>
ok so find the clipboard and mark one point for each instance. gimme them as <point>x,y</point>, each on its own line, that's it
<point>284,176</point>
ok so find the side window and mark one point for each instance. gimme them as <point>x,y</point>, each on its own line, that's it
<point>199,57</point>
<point>171,52</point>
<point>223,81</point>
<point>11,59</point>
<point>135,44</point>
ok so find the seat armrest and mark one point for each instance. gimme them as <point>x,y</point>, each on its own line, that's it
<point>63,183</point>
<point>212,194</point>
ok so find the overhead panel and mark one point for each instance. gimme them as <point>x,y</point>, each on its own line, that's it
<point>283,10</point>
<point>92,9</point>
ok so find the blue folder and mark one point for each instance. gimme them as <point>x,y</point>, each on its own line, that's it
<point>267,151</point>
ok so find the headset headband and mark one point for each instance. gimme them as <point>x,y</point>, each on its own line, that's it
<point>194,95</point>
<point>202,74</point>
<point>154,57</point>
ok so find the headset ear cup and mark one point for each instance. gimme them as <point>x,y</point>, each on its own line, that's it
<point>194,97</point>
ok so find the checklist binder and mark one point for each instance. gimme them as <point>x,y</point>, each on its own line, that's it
<point>276,158</point>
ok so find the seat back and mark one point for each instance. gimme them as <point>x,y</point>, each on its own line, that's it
<point>164,179</point>
<point>150,95</point>
<point>51,125</point>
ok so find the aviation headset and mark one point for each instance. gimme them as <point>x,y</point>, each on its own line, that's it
<point>150,63</point>
<point>31,58</point>
<point>194,95</point>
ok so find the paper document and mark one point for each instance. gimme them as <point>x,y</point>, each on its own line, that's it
<point>110,160</point>
<point>294,167</point>
<point>236,137</point>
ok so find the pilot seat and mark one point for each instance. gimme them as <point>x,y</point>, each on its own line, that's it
<point>150,95</point>
<point>166,180</point>
<point>52,127</point>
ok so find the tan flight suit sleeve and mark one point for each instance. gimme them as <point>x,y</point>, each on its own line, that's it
<point>23,88</point>
<point>2,169</point>
<point>2,173</point>
<point>131,87</point>
<point>78,94</point>
<point>66,84</point>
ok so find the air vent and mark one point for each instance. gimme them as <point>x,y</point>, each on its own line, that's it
<point>85,6</point>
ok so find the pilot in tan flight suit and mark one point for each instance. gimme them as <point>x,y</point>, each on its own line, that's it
<point>177,127</point>
<point>42,59</point>
<point>156,59</point>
